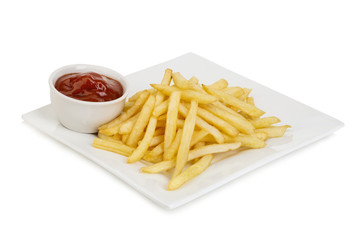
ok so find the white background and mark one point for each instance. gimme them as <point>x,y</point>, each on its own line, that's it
<point>308,50</point>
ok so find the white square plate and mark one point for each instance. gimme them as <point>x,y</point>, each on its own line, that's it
<point>308,125</point>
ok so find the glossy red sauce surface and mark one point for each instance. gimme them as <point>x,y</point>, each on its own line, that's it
<point>89,86</point>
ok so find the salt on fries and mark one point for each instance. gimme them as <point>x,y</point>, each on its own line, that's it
<point>179,128</point>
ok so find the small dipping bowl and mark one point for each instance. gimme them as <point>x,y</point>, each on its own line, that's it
<point>83,116</point>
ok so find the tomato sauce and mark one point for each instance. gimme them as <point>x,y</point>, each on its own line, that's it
<point>89,86</point>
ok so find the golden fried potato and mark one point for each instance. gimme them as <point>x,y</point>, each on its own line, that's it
<point>181,127</point>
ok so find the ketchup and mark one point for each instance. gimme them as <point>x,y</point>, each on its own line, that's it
<point>89,86</point>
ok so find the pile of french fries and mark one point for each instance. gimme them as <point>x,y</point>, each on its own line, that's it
<point>179,127</point>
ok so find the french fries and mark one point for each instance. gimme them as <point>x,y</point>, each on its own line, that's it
<point>143,96</point>
<point>235,119</point>
<point>182,127</point>
<point>187,95</point>
<point>139,152</point>
<point>113,146</point>
<point>141,122</point>
<point>217,122</point>
<point>204,125</point>
<point>183,83</point>
<point>193,154</point>
<point>245,107</point>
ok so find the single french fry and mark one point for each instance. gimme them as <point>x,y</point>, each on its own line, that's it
<point>167,77</point>
<point>188,128</point>
<point>264,122</point>
<point>187,95</point>
<point>113,146</point>
<point>274,131</point>
<point>203,125</point>
<point>181,81</point>
<point>158,167</point>
<point>213,148</point>
<point>171,121</point>
<point>130,112</point>
<point>235,102</point>
<point>236,120</point>
<point>220,84</point>
<point>190,173</point>
<point>141,122</point>
<point>246,140</point>
<point>144,145</point>
<point>173,148</point>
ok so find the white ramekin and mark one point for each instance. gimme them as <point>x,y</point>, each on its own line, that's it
<point>83,116</point>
